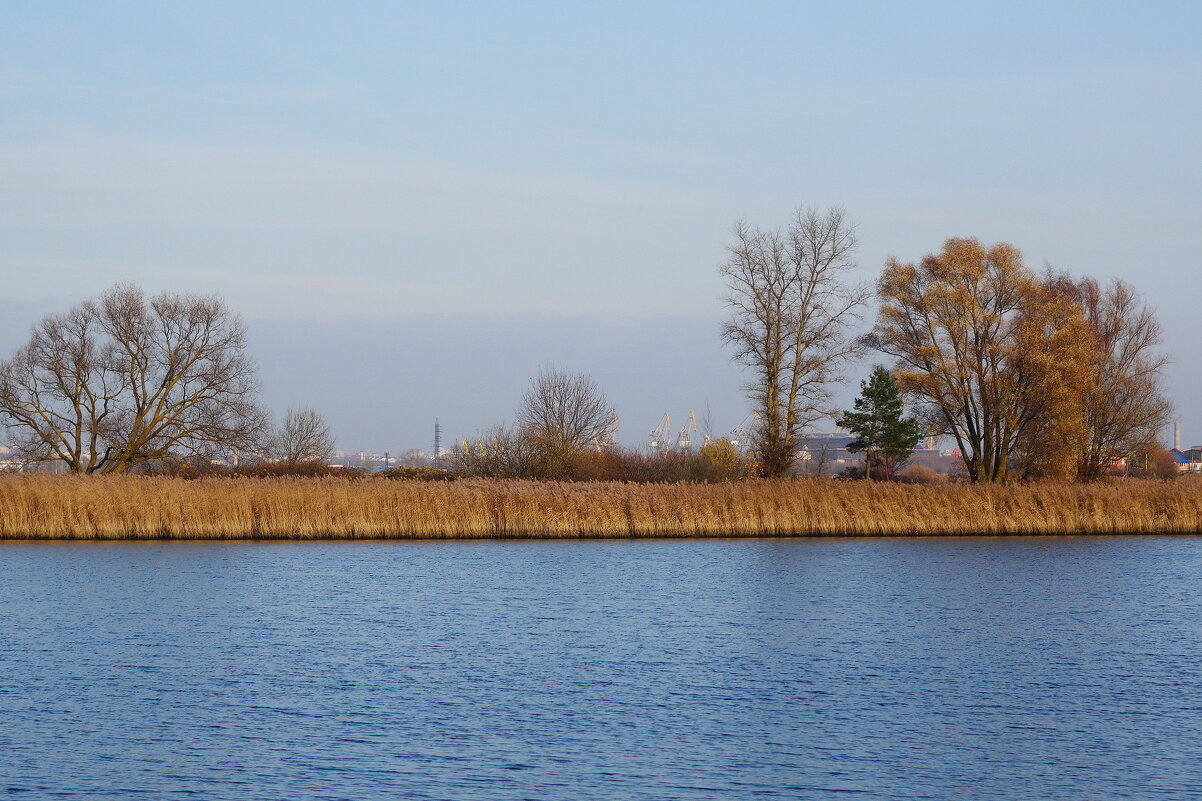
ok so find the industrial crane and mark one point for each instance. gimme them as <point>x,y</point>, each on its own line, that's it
<point>741,436</point>
<point>658,439</point>
<point>682,440</point>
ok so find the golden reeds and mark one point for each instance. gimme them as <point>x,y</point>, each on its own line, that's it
<point>94,507</point>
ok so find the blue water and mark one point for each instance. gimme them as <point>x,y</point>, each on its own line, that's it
<point>859,669</point>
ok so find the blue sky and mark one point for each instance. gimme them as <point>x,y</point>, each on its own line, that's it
<point>415,206</point>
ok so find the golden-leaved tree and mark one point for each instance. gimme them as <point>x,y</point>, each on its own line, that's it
<point>1055,368</point>
<point>1125,406</point>
<point>993,357</point>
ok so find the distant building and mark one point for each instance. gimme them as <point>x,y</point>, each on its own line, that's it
<point>1188,461</point>
<point>826,454</point>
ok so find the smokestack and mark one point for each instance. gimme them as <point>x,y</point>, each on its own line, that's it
<point>1177,434</point>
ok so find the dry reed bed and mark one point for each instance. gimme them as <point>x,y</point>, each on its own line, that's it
<point>91,507</point>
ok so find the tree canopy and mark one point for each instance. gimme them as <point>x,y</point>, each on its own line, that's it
<point>127,380</point>
<point>995,358</point>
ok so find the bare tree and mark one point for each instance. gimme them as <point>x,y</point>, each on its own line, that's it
<point>791,305</point>
<point>501,452</point>
<point>566,411</point>
<point>58,397</point>
<point>128,380</point>
<point>303,436</point>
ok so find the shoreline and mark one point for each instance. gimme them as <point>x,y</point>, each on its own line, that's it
<point>434,539</point>
<point>142,508</point>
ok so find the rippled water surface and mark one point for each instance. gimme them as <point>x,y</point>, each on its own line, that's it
<point>863,669</point>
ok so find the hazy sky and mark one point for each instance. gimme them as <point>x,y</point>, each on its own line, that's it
<point>415,206</point>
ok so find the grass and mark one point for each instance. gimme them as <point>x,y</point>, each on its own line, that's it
<point>131,507</point>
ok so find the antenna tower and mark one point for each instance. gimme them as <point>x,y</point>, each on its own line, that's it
<point>437,443</point>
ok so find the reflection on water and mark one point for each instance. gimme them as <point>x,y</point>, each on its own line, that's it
<point>866,669</point>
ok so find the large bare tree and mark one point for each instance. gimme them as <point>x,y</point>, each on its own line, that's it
<point>127,380</point>
<point>566,411</point>
<point>303,436</point>
<point>791,305</point>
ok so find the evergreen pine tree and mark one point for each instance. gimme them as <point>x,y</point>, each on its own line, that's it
<point>886,438</point>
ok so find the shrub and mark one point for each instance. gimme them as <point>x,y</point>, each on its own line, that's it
<point>720,460</point>
<point>297,469</point>
<point>418,474</point>
<point>1162,465</point>
<point>509,453</point>
<point>919,474</point>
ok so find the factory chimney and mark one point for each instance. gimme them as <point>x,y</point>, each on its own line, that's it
<point>1177,435</point>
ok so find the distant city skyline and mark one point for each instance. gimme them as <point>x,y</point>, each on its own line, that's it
<point>416,208</point>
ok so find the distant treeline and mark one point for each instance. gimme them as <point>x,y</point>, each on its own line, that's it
<point>1031,376</point>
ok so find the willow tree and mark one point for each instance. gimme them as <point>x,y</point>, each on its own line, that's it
<point>790,307</point>
<point>995,359</point>
<point>127,380</point>
<point>1055,371</point>
<point>1125,407</point>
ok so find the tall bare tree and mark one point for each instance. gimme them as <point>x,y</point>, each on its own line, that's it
<point>791,305</point>
<point>566,411</point>
<point>303,436</point>
<point>1125,407</point>
<point>127,380</point>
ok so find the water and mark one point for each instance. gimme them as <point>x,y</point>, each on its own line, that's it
<point>861,669</point>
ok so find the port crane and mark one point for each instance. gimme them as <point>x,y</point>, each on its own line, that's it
<point>741,435</point>
<point>658,439</point>
<point>682,439</point>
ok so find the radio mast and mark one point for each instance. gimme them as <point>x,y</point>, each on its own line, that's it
<point>437,443</point>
